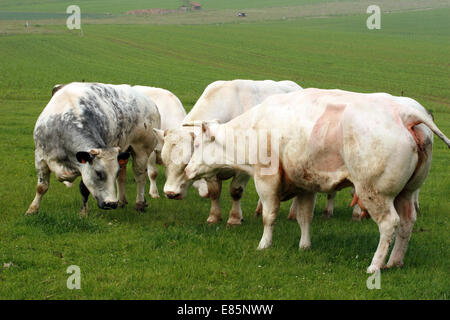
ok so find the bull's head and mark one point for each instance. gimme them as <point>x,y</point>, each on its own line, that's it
<point>99,169</point>
<point>205,156</point>
<point>175,154</point>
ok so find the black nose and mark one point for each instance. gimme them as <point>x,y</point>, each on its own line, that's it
<point>173,195</point>
<point>109,205</point>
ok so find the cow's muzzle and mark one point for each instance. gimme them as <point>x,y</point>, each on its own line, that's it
<point>173,195</point>
<point>108,205</point>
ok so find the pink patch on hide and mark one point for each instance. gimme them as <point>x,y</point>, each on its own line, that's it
<point>326,140</point>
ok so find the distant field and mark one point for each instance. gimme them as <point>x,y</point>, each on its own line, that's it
<point>170,252</point>
<point>119,6</point>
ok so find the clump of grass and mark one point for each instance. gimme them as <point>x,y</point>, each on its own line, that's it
<point>52,224</point>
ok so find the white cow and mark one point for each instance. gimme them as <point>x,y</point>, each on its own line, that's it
<point>172,114</point>
<point>221,101</point>
<point>357,213</point>
<point>328,140</point>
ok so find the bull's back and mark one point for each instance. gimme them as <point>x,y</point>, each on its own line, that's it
<point>92,114</point>
<point>169,106</point>
<point>225,100</point>
<point>332,135</point>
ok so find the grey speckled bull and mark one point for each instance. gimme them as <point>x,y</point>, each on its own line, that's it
<point>81,132</point>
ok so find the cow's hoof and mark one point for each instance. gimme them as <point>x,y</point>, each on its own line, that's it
<point>122,203</point>
<point>213,219</point>
<point>327,214</point>
<point>356,218</point>
<point>393,264</point>
<point>140,206</point>
<point>305,246</point>
<point>234,222</point>
<point>263,245</point>
<point>292,216</point>
<point>154,195</point>
<point>373,269</point>
<point>31,211</point>
<point>83,213</point>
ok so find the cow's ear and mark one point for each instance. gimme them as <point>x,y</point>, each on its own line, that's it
<point>84,157</point>
<point>160,135</point>
<point>206,129</point>
<point>123,158</point>
<point>95,152</point>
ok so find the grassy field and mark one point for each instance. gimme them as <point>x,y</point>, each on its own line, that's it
<point>170,252</point>
<point>118,6</point>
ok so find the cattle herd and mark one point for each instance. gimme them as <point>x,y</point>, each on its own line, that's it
<point>294,142</point>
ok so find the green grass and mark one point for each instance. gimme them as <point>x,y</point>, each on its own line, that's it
<point>170,252</point>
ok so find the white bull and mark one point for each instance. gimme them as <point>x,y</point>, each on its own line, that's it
<point>172,114</point>
<point>357,213</point>
<point>221,101</point>
<point>323,141</point>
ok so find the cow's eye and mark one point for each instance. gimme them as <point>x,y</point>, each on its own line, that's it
<point>100,175</point>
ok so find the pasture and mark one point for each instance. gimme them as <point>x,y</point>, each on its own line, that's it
<point>170,252</point>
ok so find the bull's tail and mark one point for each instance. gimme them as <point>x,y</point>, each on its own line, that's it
<point>413,117</point>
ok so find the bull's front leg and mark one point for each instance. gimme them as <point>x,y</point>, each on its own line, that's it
<point>214,190</point>
<point>121,184</point>
<point>85,195</point>
<point>42,186</point>
<point>259,208</point>
<point>237,188</point>
<point>152,169</point>
<point>140,160</point>
<point>267,190</point>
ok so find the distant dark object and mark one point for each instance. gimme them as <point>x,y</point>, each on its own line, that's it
<point>241,14</point>
<point>56,88</point>
<point>196,5</point>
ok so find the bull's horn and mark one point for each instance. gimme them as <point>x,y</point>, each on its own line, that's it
<point>198,123</point>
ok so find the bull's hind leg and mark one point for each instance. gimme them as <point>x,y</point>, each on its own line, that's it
<point>383,212</point>
<point>214,190</point>
<point>405,206</point>
<point>152,169</point>
<point>43,172</point>
<point>237,187</point>
<point>305,210</point>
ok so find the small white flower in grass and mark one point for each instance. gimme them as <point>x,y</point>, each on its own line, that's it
<point>8,265</point>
